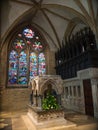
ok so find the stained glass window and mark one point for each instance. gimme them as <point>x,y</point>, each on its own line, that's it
<point>26,57</point>
<point>19,43</point>
<point>33,65</point>
<point>13,67</point>
<point>22,68</point>
<point>28,33</point>
<point>42,65</point>
<point>37,45</point>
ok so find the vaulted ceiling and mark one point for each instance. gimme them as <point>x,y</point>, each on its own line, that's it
<point>55,19</point>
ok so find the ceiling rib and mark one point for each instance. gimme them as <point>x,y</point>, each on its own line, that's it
<point>69,29</point>
<point>80,5</point>
<point>45,32</point>
<point>71,10</point>
<point>51,27</point>
<point>67,19</point>
<point>32,16</point>
<point>25,3</point>
<point>91,11</point>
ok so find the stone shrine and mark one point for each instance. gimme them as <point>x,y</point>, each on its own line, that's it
<point>40,86</point>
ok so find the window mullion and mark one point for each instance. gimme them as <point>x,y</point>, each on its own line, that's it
<point>18,70</point>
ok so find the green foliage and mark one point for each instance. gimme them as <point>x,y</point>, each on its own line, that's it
<point>49,102</point>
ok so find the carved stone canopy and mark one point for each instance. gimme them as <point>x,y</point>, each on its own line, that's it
<point>41,83</point>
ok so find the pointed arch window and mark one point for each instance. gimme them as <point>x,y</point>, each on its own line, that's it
<point>26,57</point>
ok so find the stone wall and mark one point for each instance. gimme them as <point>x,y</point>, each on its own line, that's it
<point>73,97</point>
<point>14,99</point>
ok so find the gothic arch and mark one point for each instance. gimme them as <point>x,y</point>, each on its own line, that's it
<point>43,87</point>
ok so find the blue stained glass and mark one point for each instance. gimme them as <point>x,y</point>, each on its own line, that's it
<point>13,65</point>
<point>23,68</point>
<point>33,65</point>
<point>42,65</point>
<point>19,69</point>
<point>28,33</point>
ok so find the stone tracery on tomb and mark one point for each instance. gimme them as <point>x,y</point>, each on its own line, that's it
<point>40,84</point>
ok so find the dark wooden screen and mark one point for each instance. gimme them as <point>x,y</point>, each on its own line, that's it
<point>88,97</point>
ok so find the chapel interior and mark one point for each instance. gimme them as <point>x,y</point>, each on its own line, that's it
<point>44,40</point>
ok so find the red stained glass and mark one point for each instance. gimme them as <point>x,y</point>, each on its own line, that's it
<point>37,46</point>
<point>19,43</point>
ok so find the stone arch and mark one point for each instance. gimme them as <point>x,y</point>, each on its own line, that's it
<point>71,26</point>
<point>43,87</point>
<point>26,16</point>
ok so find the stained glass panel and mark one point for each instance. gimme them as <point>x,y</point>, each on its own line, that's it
<point>24,64</point>
<point>19,43</point>
<point>28,33</point>
<point>13,67</point>
<point>23,68</point>
<point>42,65</point>
<point>37,46</point>
<point>33,65</point>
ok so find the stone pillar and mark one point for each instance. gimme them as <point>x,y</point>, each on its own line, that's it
<point>39,101</point>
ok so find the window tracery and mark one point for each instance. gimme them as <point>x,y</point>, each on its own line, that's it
<point>26,57</point>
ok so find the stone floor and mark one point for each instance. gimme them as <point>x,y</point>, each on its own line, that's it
<point>19,120</point>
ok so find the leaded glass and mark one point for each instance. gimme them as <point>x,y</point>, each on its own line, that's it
<point>23,68</point>
<point>37,46</point>
<point>42,65</point>
<point>28,33</point>
<point>19,43</point>
<point>25,58</point>
<point>13,67</point>
<point>33,65</point>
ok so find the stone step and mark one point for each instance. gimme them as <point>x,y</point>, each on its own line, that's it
<point>58,124</point>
